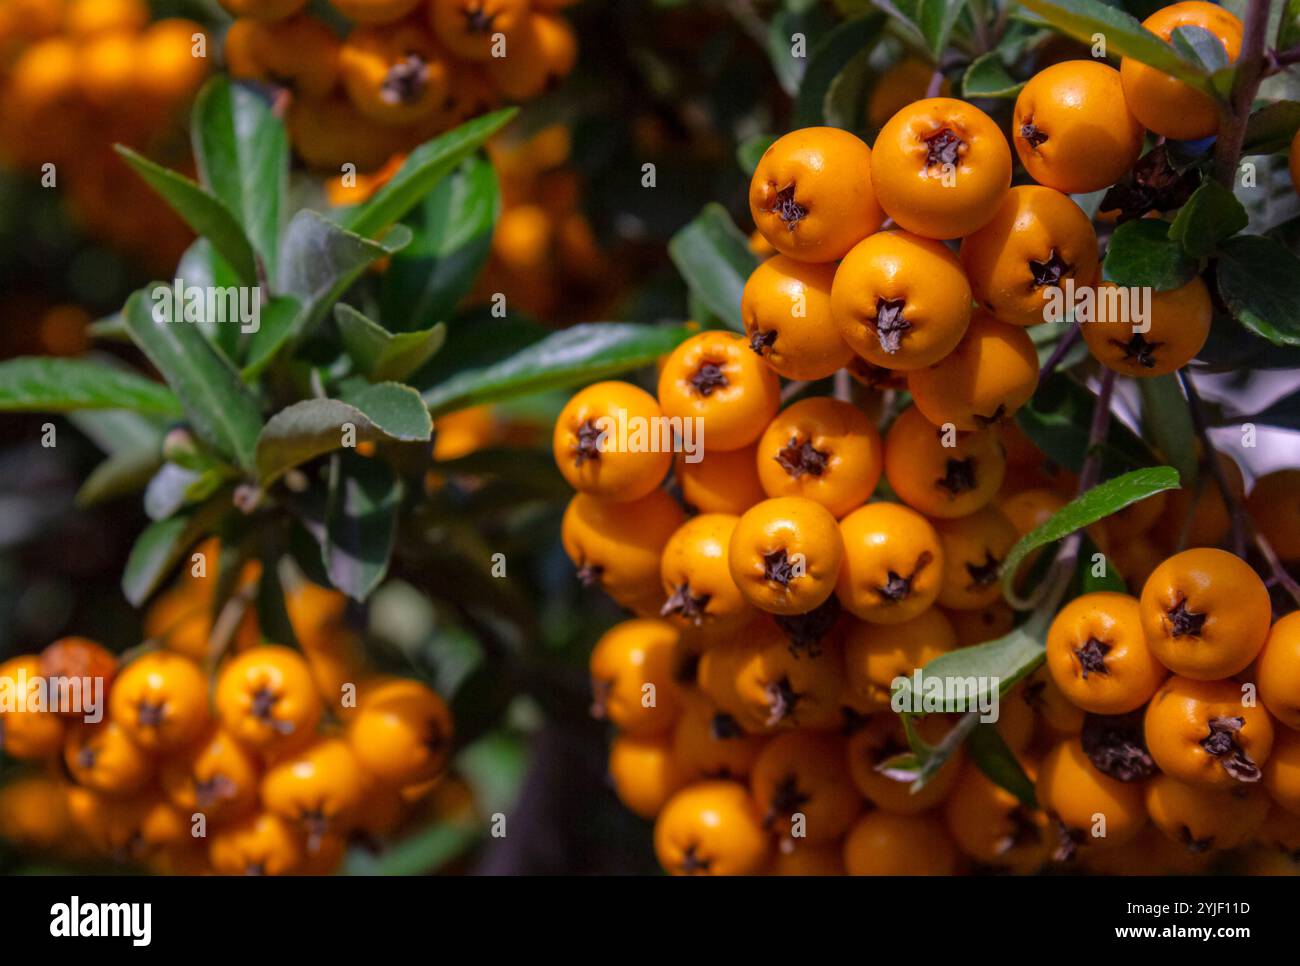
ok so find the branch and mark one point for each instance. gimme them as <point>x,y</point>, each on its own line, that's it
<point>1235,510</point>
<point>1251,66</point>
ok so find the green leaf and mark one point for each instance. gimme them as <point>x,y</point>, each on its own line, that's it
<point>202,212</point>
<point>1288,25</point>
<point>217,404</point>
<point>750,150</point>
<point>313,427</point>
<point>242,154</point>
<point>424,168</point>
<point>360,523</point>
<point>1259,281</point>
<point>382,355</point>
<point>278,321</point>
<point>1211,215</point>
<point>579,354</point>
<point>987,76</point>
<point>1081,19</point>
<point>201,267</point>
<point>1142,255</point>
<point>1201,47</point>
<point>1167,421</point>
<point>994,667</point>
<point>319,261</point>
<point>1057,419</point>
<point>828,58</point>
<point>117,476</point>
<point>453,238</point>
<point>133,443</point>
<point>166,492</point>
<point>992,756</point>
<point>272,614</point>
<point>713,257</point>
<point>160,546</point>
<point>1083,511</point>
<point>50,385</point>
<point>936,18</point>
<point>1271,128</point>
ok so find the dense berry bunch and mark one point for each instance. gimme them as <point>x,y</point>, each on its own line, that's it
<point>259,759</point>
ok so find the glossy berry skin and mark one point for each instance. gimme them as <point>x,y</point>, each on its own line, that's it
<point>617,546</point>
<point>870,752</point>
<point>161,701</point>
<point>1173,334</point>
<point>1278,671</point>
<point>629,657</point>
<point>695,576</point>
<point>940,480</point>
<point>1203,819</point>
<point>823,449</point>
<point>711,828</point>
<point>1089,809</point>
<point>798,785</point>
<point>893,563</point>
<point>785,555</point>
<point>885,844</point>
<point>786,309</point>
<point>716,377</point>
<point>401,733</point>
<point>607,442</point>
<point>1208,732</point>
<point>266,698</point>
<point>811,194</point>
<point>876,654</point>
<point>1098,655</point>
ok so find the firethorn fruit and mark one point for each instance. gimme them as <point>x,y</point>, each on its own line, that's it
<point>904,82</point>
<point>974,547</point>
<point>696,575</point>
<point>467,27</point>
<point>721,481</point>
<point>1072,129</point>
<point>1278,671</point>
<point>28,730</point>
<point>266,698</point>
<point>1086,806</point>
<point>300,53</point>
<point>1049,704</point>
<point>711,828</point>
<point>1282,770</point>
<point>714,376</point>
<point>606,442</point>
<point>781,685</point>
<point>216,776</point>
<point>79,657</point>
<point>798,857</point>
<point>1164,104</point>
<point>942,480</point>
<point>632,668</point>
<point>1206,614</point>
<point>617,546</point>
<point>811,194</point>
<point>161,701</point>
<point>708,743</point>
<point>263,9</point>
<point>401,733</point>
<point>1207,733</point>
<point>102,758</point>
<point>881,843</point>
<point>900,301</point>
<point>991,825</point>
<point>262,844</point>
<point>1176,331</point>
<point>330,132</point>
<point>1274,507</point>
<point>1036,240</point>
<point>34,813</point>
<point>394,76</point>
<point>644,771</point>
<point>799,789</point>
<point>876,654</point>
<point>982,624</point>
<point>786,309</point>
<point>893,563</point>
<point>871,752</point>
<point>941,167</point>
<point>1098,656</point>
<point>785,554</point>
<point>822,449</point>
<point>319,789</point>
<point>541,49</point>
<point>1200,512</point>
<point>983,382</point>
<point>1202,819</point>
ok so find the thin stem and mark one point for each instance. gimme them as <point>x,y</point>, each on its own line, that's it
<point>1250,71</point>
<point>1280,574</point>
<point>1091,472</point>
<point>936,84</point>
<point>1063,346</point>
<point>1279,60</point>
<point>1199,423</point>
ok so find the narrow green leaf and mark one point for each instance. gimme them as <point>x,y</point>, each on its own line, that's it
<point>242,154</point>
<point>314,427</point>
<point>1057,419</point>
<point>1259,281</point>
<point>987,76</point>
<point>424,168</point>
<point>117,476</point>
<point>992,756</point>
<point>382,355</point>
<point>1142,255</point>
<point>829,57</point>
<point>1167,421</point>
<point>936,18</point>
<point>749,151</point>
<point>1083,511</point>
<point>713,257</point>
<point>360,523</point>
<point>202,212</point>
<point>1272,128</point>
<point>50,385</point>
<point>579,354</point>
<point>160,546</point>
<point>1211,215</point>
<point>1201,47</point>
<point>279,320</point>
<point>217,404</point>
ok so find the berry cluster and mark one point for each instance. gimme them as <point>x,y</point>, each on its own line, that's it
<point>261,760</point>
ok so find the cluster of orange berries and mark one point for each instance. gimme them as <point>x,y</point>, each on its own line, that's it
<point>406,70</point>
<point>77,76</point>
<point>266,763</point>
